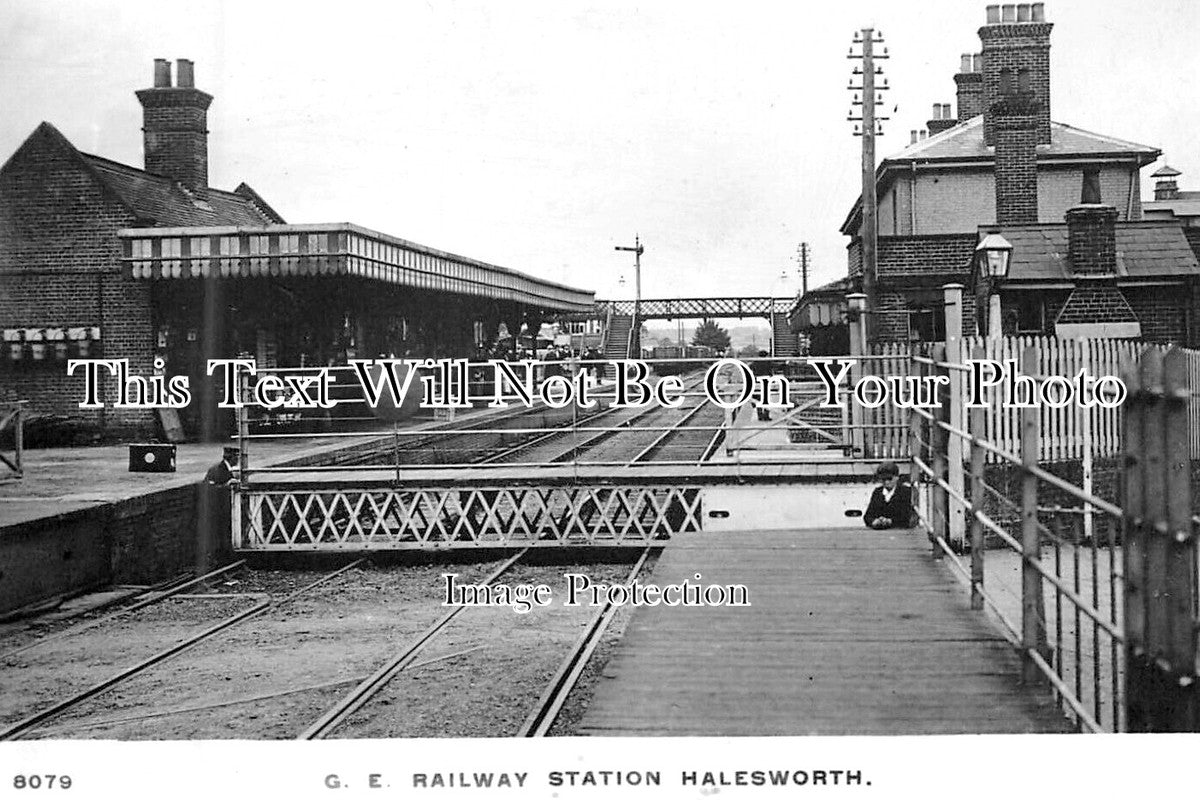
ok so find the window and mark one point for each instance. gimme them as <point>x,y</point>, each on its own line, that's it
<point>1091,185</point>
<point>317,243</point>
<point>926,323</point>
<point>228,245</point>
<point>259,245</point>
<point>201,247</point>
<point>1029,310</point>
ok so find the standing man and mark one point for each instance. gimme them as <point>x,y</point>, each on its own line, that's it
<point>214,532</point>
<point>891,502</point>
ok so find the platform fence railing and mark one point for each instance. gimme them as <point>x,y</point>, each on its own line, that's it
<point>1097,594</point>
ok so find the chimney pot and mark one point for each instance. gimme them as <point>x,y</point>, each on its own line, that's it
<point>162,73</point>
<point>923,134</point>
<point>993,15</point>
<point>914,137</point>
<point>965,65</point>
<point>1008,13</point>
<point>1039,12</point>
<point>937,111</point>
<point>1023,12</point>
<point>977,62</point>
<point>184,73</point>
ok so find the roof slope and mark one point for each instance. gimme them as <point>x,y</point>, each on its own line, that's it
<point>1144,250</point>
<point>163,202</point>
<point>965,142</point>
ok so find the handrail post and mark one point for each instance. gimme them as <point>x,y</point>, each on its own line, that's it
<point>1033,608</point>
<point>975,426</point>
<point>939,514</point>
<point>858,347</point>
<point>956,524</point>
<point>915,448</point>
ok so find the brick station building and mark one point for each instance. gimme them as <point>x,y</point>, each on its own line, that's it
<point>102,259</point>
<point>1084,262</point>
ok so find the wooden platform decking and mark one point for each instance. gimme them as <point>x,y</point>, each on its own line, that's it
<point>850,632</point>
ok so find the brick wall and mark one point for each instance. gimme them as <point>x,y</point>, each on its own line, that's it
<point>59,261</point>
<point>1091,303</point>
<point>891,316</point>
<point>927,255</point>
<point>955,201</point>
<point>1061,188</point>
<point>1162,311</point>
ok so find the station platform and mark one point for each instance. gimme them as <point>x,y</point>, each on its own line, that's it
<point>851,631</point>
<point>60,480</point>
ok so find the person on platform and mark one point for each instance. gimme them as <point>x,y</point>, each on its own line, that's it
<point>891,502</point>
<point>215,522</point>
<point>221,473</point>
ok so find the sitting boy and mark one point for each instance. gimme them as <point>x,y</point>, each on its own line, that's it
<point>891,503</point>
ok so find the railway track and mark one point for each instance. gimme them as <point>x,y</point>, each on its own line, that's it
<point>148,683</point>
<point>85,712</point>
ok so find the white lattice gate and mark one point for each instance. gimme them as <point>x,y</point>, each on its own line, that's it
<point>347,518</point>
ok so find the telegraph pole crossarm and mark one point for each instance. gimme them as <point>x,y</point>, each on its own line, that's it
<point>867,73</point>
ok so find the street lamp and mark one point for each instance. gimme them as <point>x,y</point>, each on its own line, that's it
<point>991,258</point>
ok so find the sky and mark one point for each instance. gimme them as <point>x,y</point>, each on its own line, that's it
<point>540,135</point>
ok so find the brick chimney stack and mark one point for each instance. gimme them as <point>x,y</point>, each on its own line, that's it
<point>1092,239</point>
<point>1016,111</point>
<point>969,81</point>
<point>942,119</point>
<point>1016,62</point>
<point>175,126</point>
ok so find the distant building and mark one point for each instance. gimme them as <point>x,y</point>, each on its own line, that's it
<point>1002,165</point>
<point>99,258</point>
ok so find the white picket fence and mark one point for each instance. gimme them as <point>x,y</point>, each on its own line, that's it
<point>1065,433</point>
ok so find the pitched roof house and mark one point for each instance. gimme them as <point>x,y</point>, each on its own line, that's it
<point>1003,165</point>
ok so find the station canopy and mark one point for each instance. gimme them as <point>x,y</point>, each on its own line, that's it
<point>339,249</point>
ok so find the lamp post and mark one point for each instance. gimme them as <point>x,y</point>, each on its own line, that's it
<point>991,258</point>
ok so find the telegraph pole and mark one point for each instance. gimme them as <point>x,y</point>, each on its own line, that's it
<point>867,39</point>
<point>802,257</point>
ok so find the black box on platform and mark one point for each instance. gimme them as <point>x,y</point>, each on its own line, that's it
<point>151,458</point>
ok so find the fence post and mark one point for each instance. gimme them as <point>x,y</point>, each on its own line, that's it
<point>1033,608</point>
<point>1160,550</point>
<point>940,500</point>
<point>975,426</point>
<point>916,448</point>
<point>956,523</point>
<point>858,348</point>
